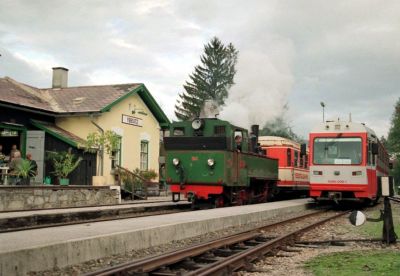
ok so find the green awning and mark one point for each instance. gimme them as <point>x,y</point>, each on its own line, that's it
<point>59,133</point>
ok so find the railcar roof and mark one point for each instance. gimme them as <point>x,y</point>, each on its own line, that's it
<point>342,127</point>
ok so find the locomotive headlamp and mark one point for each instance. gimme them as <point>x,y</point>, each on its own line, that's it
<point>175,161</point>
<point>197,124</point>
<point>210,162</point>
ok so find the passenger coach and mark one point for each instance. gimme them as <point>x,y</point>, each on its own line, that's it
<point>293,163</point>
<point>346,162</point>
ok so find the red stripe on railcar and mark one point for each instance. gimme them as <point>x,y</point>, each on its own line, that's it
<point>201,191</point>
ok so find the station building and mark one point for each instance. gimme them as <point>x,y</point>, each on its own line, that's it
<point>61,117</point>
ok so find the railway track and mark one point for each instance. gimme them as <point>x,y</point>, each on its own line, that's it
<point>32,222</point>
<point>221,256</point>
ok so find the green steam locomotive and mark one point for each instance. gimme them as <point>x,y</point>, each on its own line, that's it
<point>211,161</point>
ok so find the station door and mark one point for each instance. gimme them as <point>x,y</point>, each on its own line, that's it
<point>35,146</point>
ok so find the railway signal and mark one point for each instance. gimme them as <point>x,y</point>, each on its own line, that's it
<point>357,218</point>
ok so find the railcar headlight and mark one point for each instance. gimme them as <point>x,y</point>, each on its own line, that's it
<point>175,161</point>
<point>210,162</point>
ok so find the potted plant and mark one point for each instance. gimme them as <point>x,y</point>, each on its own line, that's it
<point>24,171</point>
<point>64,163</point>
<point>102,142</point>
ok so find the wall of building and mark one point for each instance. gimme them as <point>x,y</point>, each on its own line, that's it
<point>13,198</point>
<point>131,135</point>
<point>82,175</point>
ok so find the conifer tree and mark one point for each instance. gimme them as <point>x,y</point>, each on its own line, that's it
<point>393,142</point>
<point>211,80</point>
<point>394,132</point>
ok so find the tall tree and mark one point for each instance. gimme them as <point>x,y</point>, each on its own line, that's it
<point>394,132</point>
<point>211,80</point>
<point>393,142</point>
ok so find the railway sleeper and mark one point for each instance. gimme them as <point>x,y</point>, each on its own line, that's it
<point>223,252</point>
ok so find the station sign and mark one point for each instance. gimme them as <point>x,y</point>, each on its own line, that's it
<point>130,120</point>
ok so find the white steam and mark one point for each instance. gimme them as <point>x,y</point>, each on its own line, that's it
<point>263,82</point>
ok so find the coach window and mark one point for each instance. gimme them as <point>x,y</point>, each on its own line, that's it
<point>289,157</point>
<point>306,161</point>
<point>369,153</point>
<point>302,161</point>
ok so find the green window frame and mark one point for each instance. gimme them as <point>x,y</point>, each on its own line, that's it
<point>144,155</point>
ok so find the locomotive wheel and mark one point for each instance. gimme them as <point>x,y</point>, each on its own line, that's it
<point>219,202</point>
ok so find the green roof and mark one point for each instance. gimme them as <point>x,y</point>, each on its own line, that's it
<point>148,99</point>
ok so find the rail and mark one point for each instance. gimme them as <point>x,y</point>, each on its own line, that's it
<point>240,255</point>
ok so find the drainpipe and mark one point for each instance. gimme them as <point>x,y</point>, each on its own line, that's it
<point>101,164</point>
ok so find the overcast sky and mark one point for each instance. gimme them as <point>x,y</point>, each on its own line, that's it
<point>344,53</point>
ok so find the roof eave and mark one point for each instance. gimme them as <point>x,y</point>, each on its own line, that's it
<point>151,104</point>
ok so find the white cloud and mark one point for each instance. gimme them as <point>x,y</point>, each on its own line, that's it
<point>345,53</point>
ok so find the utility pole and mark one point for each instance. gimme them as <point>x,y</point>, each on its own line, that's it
<point>323,111</point>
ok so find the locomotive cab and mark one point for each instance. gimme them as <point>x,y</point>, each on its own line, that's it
<point>206,161</point>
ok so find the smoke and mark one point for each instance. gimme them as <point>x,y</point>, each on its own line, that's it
<point>263,81</point>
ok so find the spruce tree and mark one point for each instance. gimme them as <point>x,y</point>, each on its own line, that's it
<point>211,80</point>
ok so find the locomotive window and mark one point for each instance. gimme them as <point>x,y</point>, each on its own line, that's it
<point>238,139</point>
<point>289,157</point>
<point>179,131</point>
<point>219,130</point>
<point>337,151</point>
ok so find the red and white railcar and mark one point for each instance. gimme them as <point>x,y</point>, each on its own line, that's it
<point>293,163</point>
<point>346,162</point>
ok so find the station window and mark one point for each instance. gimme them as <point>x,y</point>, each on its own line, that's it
<point>116,158</point>
<point>144,155</point>
<point>289,157</point>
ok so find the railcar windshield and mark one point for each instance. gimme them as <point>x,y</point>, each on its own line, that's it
<point>337,151</point>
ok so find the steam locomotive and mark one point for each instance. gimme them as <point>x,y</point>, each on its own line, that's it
<point>205,163</point>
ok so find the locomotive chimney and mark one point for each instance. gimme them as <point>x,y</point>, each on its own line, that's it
<point>254,138</point>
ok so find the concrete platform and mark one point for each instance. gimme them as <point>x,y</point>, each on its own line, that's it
<point>36,250</point>
<point>138,205</point>
<point>23,219</point>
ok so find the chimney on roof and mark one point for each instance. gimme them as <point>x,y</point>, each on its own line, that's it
<point>60,77</point>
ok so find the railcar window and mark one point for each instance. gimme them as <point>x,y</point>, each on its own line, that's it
<point>179,131</point>
<point>337,151</point>
<point>219,130</point>
<point>306,161</point>
<point>296,158</point>
<point>302,161</point>
<point>289,157</point>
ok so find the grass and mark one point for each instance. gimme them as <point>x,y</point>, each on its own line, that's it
<point>374,229</point>
<point>356,263</point>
